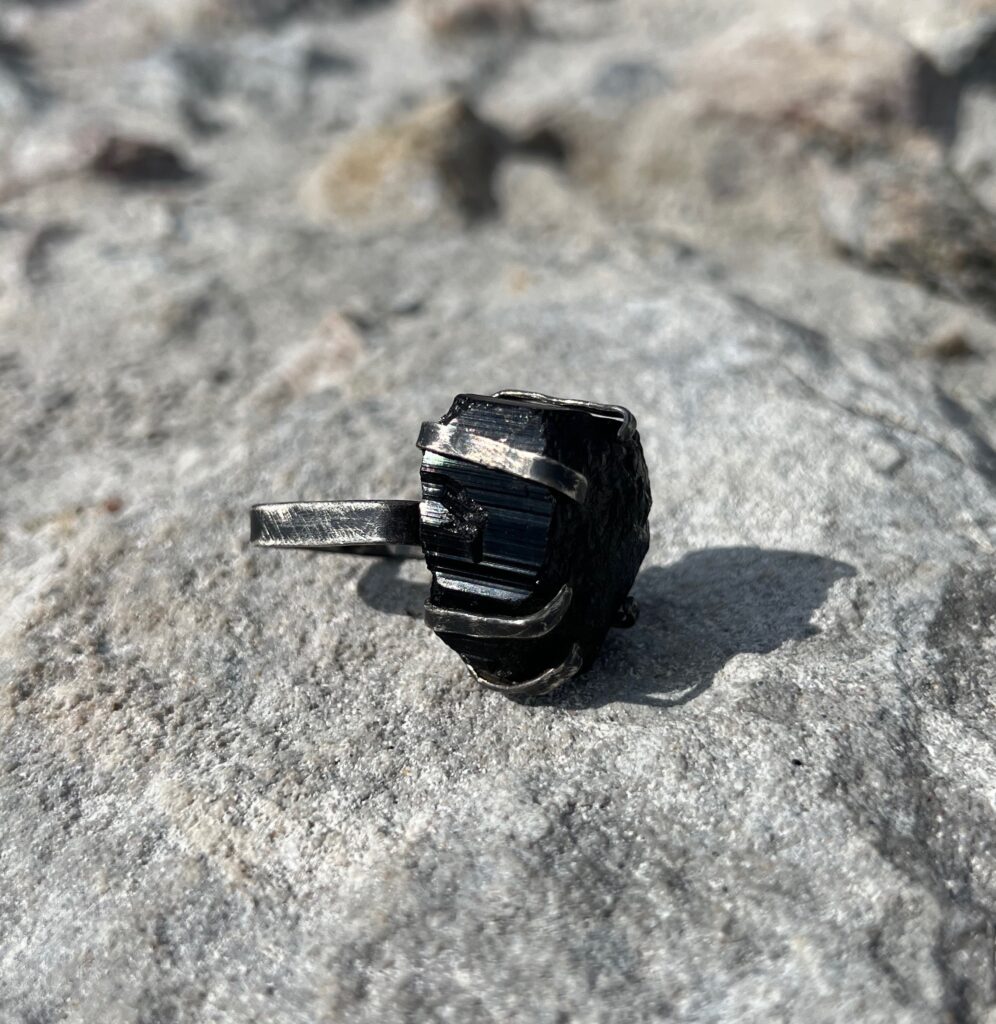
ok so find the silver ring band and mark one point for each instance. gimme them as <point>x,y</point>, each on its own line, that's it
<point>356,527</point>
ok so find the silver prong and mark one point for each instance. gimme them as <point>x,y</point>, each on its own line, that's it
<point>538,623</point>
<point>457,442</point>
<point>627,421</point>
<point>543,683</point>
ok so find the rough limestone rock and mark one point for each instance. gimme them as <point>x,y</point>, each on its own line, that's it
<point>916,218</point>
<point>455,19</point>
<point>839,81</point>
<point>442,156</point>
<point>251,786</point>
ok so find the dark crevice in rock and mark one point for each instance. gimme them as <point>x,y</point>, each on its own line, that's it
<point>936,100</point>
<point>131,161</point>
<point>815,343</point>
<point>890,424</point>
<point>468,160</point>
<point>911,827</point>
<point>958,634</point>
<point>17,61</point>
<point>984,455</point>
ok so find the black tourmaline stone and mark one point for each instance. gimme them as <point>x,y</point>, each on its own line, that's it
<point>502,545</point>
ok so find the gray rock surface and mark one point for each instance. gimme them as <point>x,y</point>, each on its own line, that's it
<point>249,786</point>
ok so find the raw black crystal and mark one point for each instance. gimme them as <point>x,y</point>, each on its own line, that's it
<point>500,544</point>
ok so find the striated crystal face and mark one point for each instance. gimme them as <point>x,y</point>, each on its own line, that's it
<point>501,544</point>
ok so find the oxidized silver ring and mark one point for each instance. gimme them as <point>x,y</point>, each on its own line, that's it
<point>533,522</point>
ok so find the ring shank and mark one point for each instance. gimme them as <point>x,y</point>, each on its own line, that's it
<point>359,527</point>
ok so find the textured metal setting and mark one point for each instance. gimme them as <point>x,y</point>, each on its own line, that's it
<point>533,522</point>
<point>523,627</point>
<point>627,421</point>
<point>545,682</point>
<point>493,453</point>
<point>503,541</point>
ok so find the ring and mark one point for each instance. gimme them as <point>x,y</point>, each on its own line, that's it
<point>533,522</point>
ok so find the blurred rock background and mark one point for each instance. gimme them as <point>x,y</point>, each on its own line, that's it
<point>245,247</point>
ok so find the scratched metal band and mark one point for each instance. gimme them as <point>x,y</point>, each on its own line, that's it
<point>627,421</point>
<point>453,440</point>
<point>330,525</point>
<point>539,623</point>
